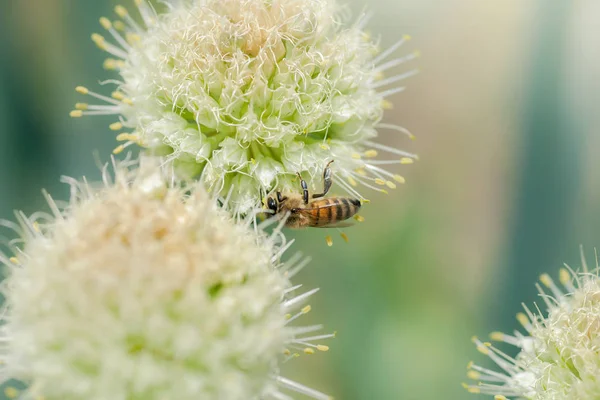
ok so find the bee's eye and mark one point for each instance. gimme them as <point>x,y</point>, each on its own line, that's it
<point>271,204</point>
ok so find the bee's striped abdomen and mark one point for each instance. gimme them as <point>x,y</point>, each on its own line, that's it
<point>328,211</point>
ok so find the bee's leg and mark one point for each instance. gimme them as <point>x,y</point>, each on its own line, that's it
<point>280,198</point>
<point>327,181</point>
<point>304,189</point>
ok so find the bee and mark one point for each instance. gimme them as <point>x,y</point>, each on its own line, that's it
<point>319,211</point>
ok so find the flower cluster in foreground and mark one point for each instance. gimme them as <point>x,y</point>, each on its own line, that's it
<point>245,94</point>
<point>140,289</point>
<point>559,356</point>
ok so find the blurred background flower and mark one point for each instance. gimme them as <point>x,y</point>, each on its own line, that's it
<point>507,186</point>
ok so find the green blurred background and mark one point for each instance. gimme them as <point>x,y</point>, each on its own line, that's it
<point>508,184</point>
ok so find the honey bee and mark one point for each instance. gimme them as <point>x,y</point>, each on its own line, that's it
<point>319,212</point>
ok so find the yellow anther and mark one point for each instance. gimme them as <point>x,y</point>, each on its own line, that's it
<point>253,161</point>
<point>406,37</point>
<point>117,126</point>
<point>359,218</point>
<point>564,276</point>
<point>361,171</point>
<point>288,316</point>
<point>127,101</point>
<point>380,181</point>
<point>308,350</point>
<point>417,53</point>
<point>390,184</point>
<point>14,260</point>
<point>121,11</point>
<point>474,390</point>
<point>81,106</point>
<point>464,385</point>
<point>76,113</point>
<point>36,226</point>
<point>399,179</point>
<point>11,392</point>
<point>500,397</point>
<point>329,240</point>
<point>306,309</point>
<point>356,156</point>
<point>406,160</point>
<point>119,25</point>
<point>324,146</point>
<point>546,280</point>
<point>523,320</point>
<point>322,347</point>
<point>473,375</point>
<point>127,137</point>
<point>352,181</point>
<point>132,38</point>
<point>110,64</point>
<point>99,40</point>
<point>386,104</point>
<point>287,352</point>
<point>470,365</point>
<point>365,201</point>
<point>378,76</point>
<point>371,153</point>
<point>497,336</point>
<point>105,22</point>
<point>483,349</point>
<point>474,339</point>
<point>117,95</point>
<point>345,237</point>
<point>138,2</point>
<point>118,149</point>
<point>82,90</point>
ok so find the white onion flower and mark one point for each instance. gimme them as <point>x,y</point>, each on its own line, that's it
<point>140,289</point>
<point>559,355</point>
<point>248,93</point>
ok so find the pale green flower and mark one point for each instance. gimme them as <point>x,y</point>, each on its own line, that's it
<point>245,94</point>
<point>140,289</point>
<point>559,355</point>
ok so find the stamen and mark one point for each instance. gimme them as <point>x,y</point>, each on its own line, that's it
<point>103,45</point>
<point>390,149</point>
<point>85,91</point>
<point>299,299</point>
<point>329,240</point>
<point>106,24</point>
<point>122,12</point>
<point>395,78</point>
<point>390,92</point>
<point>291,385</point>
<point>391,49</point>
<point>397,61</point>
<point>345,237</point>
<point>116,126</point>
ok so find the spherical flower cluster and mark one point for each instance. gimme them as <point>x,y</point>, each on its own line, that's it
<point>558,357</point>
<point>245,94</point>
<point>140,289</point>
